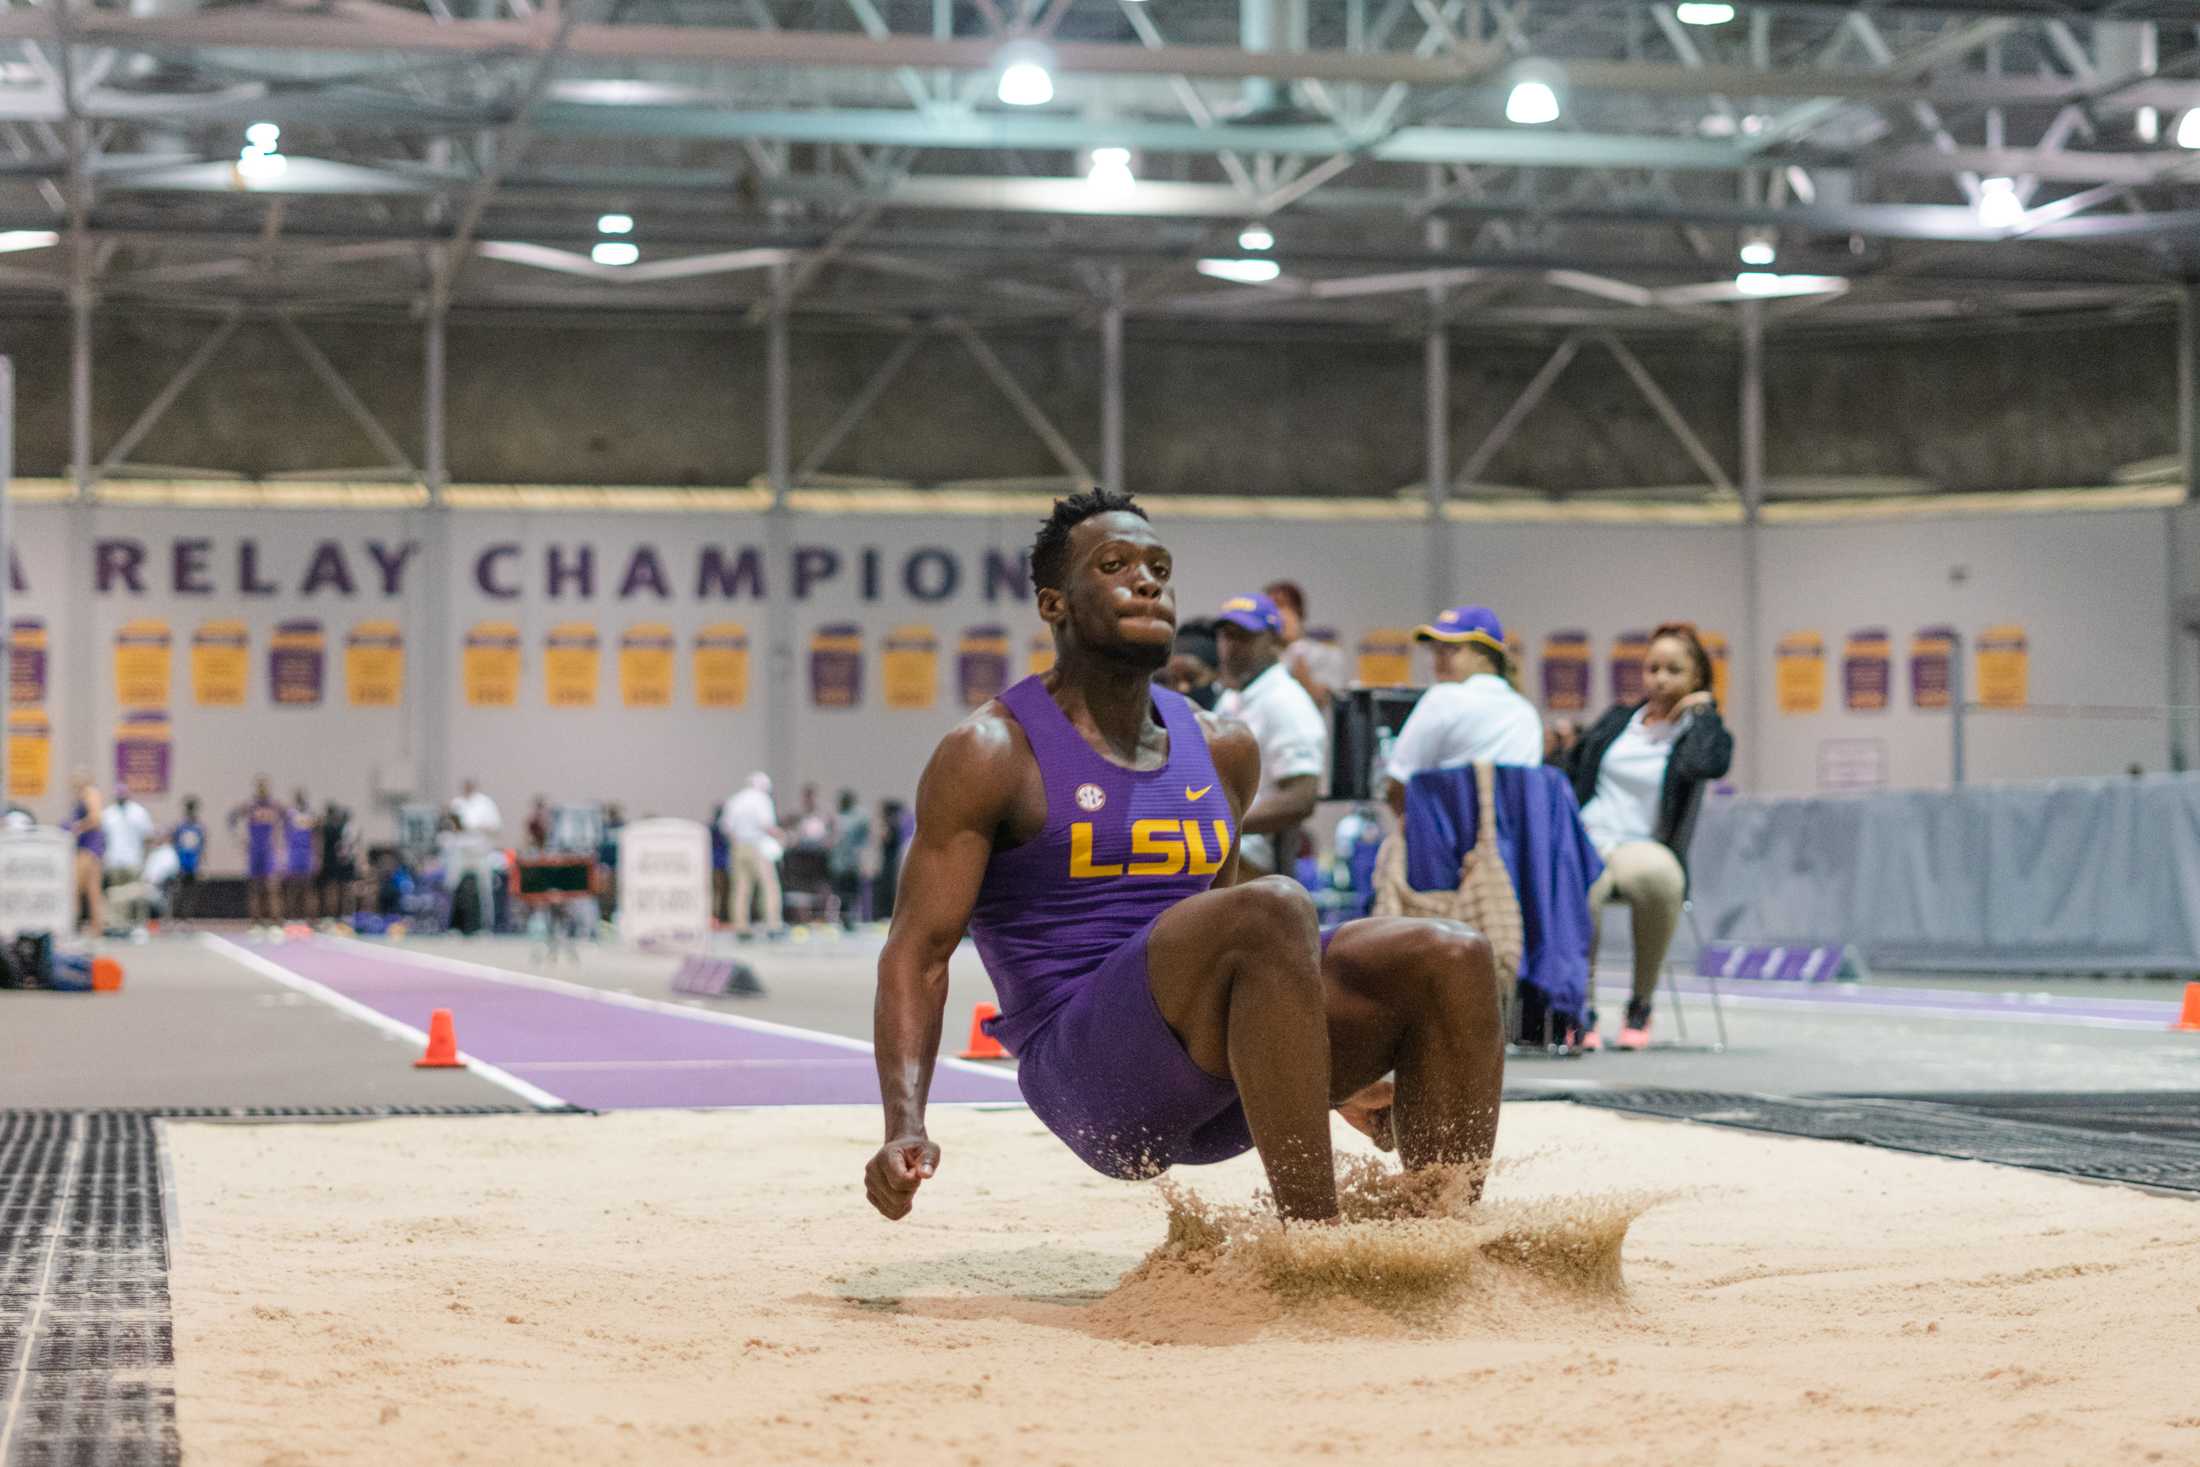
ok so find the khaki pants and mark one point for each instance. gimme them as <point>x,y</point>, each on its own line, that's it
<point>1646,876</point>
<point>751,872</point>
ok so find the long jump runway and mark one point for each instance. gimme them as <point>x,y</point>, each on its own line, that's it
<point>561,1043</point>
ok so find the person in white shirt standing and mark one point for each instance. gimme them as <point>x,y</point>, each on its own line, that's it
<point>127,825</point>
<point>477,813</point>
<point>1472,712</point>
<point>1293,737</point>
<point>752,831</point>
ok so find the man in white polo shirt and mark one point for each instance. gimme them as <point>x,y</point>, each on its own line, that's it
<point>1293,737</point>
<point>1472,712</point>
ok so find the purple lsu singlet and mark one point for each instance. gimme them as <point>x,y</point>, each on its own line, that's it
<point>1119,848</point>
<point>297,844</point>
<point>260,822</point>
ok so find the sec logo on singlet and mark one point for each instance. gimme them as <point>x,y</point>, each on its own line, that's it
<point>1090,797</point>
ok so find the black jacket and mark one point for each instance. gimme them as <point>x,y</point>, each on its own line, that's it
<point>1703,752</point>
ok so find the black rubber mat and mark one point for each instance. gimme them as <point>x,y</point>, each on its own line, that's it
<point>2165,1157</point>
<point>87,1357</point>
<point>2174,1113</point>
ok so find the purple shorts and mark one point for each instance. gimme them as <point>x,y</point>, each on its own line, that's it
<point>1107,1075</point>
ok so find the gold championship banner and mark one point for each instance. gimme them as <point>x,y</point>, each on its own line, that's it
<point>981,665</point>
<point>30,753</point>
<point>1932,666</point>
<point>374,665</point>
<point>1629,651</point>
<point>1799,672</point>
<point>1040,660</point>
<point>297,661</point>
<point>836,666</point>
<point>2004,667</point>
<point>141,664</point>
<point>1721,673</point>
<point>572,665</point>
<point>909,667</point>
<point>1386,658</point>
<point>722,665</point>
<point>1566,672</point>
<point>1867,671</point>
<point>143,752</point>
<point>489,665</point>
<point>221,664</point>
<point>28,652</point>
<point>647,651</point>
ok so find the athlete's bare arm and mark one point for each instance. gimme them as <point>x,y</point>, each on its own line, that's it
<point>969,797</point>
<point>1237,762</point>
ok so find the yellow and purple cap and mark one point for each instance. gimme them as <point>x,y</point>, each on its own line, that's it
<point>1464,624</point>
<point>1252,613</point>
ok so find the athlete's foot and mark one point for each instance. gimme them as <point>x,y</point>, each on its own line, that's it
<point>1634,1037</point>
<point>1588,1040</point>
<point>1368,1112</point>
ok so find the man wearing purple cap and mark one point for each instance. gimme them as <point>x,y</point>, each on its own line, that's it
<point>1286,724</point>
<point>1472,712</point>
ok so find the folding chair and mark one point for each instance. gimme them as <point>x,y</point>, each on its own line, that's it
<point>1673,989</point>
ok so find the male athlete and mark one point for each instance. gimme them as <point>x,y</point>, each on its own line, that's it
<point>1082,827</point>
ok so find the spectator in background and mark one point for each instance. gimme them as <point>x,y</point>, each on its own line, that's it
<point>1472,712</point>
<point>477,813</point>
<point>1193,665</point>
<point>188,840</point>
<point>1320,667</point>
<point>607,858</point>
<point>895,828</point>
<point>538,824</point>
<point>1639,773</point>
<point>339,863</point>
<point>261,818</point>
<point>752,830</point>
<point>127,826</point>
<point>721,870</point>
<point>299,830</point>
<point>851,849</point>
<point>812,827</point>
<point>1293,736</point>
<point>91,849</point>
<point>1559,737</point>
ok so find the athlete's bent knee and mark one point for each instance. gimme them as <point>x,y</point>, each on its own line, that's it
<point>1274,910</point>
<point>1458,962</point>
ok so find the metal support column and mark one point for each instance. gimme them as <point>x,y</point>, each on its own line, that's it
<point>76,699</point>
<point>1111,382</point>
<point>1436,416</point>
<point>1748,660</point>
<point>7,554</point>
<point>779,536</point>
<point>433,598</point>
<point>2183,686</point>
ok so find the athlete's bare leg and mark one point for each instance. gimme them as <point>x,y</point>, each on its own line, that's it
<point>1237,974</point>
<point>1229,971</point>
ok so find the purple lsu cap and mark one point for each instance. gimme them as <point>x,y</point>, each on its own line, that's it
<point>1252,613</point>
<point>1464,624</point>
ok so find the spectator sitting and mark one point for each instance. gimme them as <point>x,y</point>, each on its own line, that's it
<point>1292,735</point>
<point>1319,667</point>
<point>1193,665</point>
<point>1472,712</point>
<point>1639,773</point>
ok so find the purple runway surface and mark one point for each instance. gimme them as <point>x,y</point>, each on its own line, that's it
<point>2022,1006</point>
<point>607,1055</point>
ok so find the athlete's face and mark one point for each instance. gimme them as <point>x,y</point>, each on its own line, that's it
<point>1118,599</point>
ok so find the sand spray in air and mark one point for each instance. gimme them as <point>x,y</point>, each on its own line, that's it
<point>1413,1248</point>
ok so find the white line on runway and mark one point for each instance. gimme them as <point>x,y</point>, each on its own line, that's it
<point>266,968</point>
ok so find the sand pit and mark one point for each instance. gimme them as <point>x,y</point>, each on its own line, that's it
<point>655,1286</point>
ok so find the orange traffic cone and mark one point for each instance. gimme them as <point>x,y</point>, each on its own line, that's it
<point>106,975</point>
<point>442,1044</point>
<point>982,1044</point>
<point>2190,1018</point>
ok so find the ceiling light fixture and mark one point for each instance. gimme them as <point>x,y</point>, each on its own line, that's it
<point>615,252</point>
<point>27,239</point>
<point>259,165</point>
<point>1243,272</point>
<point>1110,174</point>
<point>1256,237</point>
<point>2188,129</point>
<point>615,224</point>
<point>264,136</point>
<point>1025,80</point>
<point>1534,99</point>
<point>1763,283</point>
<point>1759,249</point>
<point>1703,12</point>
<point>1998,204</point>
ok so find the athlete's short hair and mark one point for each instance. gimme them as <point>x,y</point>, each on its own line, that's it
<point>1050,552</point>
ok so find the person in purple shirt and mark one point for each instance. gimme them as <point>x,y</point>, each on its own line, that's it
<point>299,829</point>
<point>91,851</point>
<point>261,818</point>
<point>1083,828</point>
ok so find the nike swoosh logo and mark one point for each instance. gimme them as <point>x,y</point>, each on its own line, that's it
<point>1192,794</point>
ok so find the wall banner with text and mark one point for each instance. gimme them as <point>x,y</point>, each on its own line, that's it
<point>27,662</point>
<point>1386,658</point>
<point>141,663</point>
<point>2004,667</point>
<point>1040,658</point>
<point>1722,674</point>
<point>30,753</point>
<point>1867,671</point>
<point>489,665</point>
<point>722,665</point>
<point>142,750</point>
<point>1629,651</point>
<point>374,665</point>
<point>221,664</point>
<point>1932,666</point>
<point>648,652</point>
<point>1566,672</point>
<point>909,667</point>
<point>981,665</point>
<point>836,666</point>
<point>297,664</point>
<point>1799,672</point>
<point>572,665</point>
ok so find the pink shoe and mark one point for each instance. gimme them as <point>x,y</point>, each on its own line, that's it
<point>1589,1040</point>
<point>1635,1038</point>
